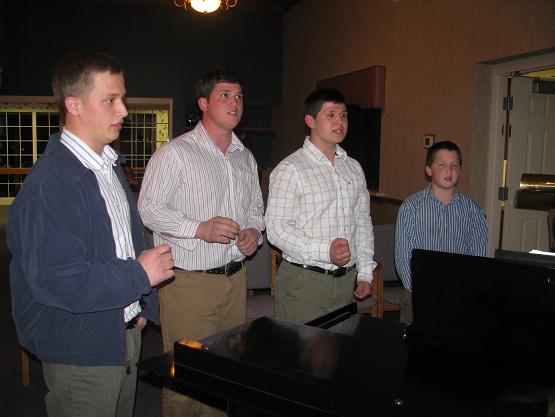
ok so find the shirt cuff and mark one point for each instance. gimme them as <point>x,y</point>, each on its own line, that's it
<point>365,278</point>
<point>319,252</point>
<point>189,228</point>
<point>365,274</point>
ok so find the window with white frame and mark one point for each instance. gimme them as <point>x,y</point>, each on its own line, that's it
<point>27,122</point>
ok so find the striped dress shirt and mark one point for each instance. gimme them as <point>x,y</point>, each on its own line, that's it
<point>114,196</point>
<point>189,180</point>
<point>424,222</point>
<point>312,202</point>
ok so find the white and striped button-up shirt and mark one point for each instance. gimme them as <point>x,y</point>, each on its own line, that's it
<point>114,196</point>
<point>189,180</point>
<point>312,202</point>
<point>424,222</point>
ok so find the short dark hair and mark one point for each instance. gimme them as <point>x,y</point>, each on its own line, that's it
<point>436,147</point>
<point>74,75</point>
<point>208,81</point>
<point>316,100</point>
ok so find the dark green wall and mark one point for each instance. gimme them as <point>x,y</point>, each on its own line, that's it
<point>163,49</point>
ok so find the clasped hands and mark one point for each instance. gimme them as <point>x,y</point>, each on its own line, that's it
<point>224,230</point>
<point>340,255</point>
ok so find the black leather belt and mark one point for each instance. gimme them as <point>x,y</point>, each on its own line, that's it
<point>132,323</point>
<point>227,270</point>
<point>336,273</point>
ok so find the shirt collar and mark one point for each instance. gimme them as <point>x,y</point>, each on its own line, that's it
<point>235,141</point>
<point>340,153</point>
<point>456,194</point>
<point>89,158</point>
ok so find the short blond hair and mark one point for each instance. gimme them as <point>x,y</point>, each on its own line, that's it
<point>74,76</point>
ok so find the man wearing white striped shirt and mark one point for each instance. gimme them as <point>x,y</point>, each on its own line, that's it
<point>319,215</point>
<point>81,271</point>
<point>437,218</point>
<point>201,195</point>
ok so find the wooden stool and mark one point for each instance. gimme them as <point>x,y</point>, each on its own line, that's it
<point>392,299</point>
<point>276,260</point>
<point>374,305</point>
<point>25,378</point>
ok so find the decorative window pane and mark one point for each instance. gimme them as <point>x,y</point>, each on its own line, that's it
<point>26,127</point>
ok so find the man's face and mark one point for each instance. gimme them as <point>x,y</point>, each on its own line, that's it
<point>445,169</point>
<point>329,127</point>
<point>224,107</point>
<point>102,110</point>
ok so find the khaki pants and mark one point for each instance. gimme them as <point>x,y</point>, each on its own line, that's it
<point>93,391</point>
<point>193,306</point>
<point>302,295</point>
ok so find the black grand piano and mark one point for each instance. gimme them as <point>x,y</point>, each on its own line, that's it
<point>482,344</point>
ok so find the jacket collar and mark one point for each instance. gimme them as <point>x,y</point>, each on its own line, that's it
<point>65,159</point>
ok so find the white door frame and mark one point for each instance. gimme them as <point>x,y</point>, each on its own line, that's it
<point>496,143</point>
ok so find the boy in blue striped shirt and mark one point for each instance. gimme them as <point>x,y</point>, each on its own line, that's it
<point>437,218</point>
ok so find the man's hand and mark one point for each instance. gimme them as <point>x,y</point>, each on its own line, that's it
<point>157,263</point>
<point>340,254</point>
<point>218,230</point>
<point>363,289</point>
<point>141,323</point>
<point>248,241</point>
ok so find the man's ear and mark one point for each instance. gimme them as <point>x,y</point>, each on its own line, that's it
<point>73,105</point>
<point>309,120</point>
<point>428,171</point>
<point>202,103</point>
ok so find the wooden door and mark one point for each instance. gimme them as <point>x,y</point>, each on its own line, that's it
<point>531,149</point>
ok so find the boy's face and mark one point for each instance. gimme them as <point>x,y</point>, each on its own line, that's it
<point>329,127</point>
<point>445,169</point>
<point>224,107</point>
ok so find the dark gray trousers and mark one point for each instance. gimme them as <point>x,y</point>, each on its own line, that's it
<point>93,391</point>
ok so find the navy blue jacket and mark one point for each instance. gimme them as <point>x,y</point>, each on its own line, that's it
<point>68,287</point>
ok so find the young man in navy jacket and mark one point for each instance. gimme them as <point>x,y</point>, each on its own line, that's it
<point>81,272</point>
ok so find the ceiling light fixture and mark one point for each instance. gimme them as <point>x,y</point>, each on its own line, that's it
<point>205,6</point>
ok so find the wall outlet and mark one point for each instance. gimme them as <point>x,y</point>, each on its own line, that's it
<point>428,140</point>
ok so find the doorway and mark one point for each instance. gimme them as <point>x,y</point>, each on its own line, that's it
<point>521,140</point>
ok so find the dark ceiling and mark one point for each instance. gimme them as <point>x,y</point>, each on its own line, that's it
<point>282,5</point>
<point>270,5</point>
